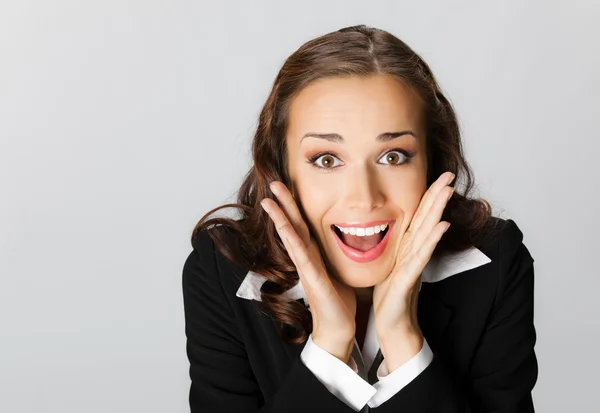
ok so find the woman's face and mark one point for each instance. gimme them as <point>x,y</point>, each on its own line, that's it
<point>370,166</point>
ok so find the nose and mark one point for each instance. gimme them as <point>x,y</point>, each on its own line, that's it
<point>363,191</point>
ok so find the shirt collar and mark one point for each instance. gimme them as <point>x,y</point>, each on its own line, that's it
<point>437,269</point>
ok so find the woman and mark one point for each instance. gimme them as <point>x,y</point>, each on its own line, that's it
<point>357,279</point>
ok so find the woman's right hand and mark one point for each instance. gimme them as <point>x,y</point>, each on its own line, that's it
<point>332,303</point>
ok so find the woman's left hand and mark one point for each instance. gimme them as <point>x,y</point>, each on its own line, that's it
<point>395,298</point>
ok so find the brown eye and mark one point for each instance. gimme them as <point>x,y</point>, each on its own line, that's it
<point>325,161</point>
<point>395,158</point>
<point>392,158</point>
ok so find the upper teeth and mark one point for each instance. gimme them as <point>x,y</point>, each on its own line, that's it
<point>363,232</point>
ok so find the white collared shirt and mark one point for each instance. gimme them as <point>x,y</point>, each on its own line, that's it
<point>348,382</point>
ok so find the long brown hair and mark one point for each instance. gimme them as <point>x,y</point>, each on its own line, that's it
<point>351,51</point>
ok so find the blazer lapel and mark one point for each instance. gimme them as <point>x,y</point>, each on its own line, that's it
<point>372,374</point>
<point>432,313</point>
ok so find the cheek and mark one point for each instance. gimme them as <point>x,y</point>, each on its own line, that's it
<point>314,199</point>
<point>409,199</point>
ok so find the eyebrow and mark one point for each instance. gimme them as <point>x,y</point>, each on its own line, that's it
<point>334,137</point>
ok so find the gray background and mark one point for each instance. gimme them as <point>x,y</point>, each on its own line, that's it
<point>122,123</point>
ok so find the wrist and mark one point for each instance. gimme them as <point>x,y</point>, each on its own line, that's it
<point>398,349</point>
<point>341,349</point>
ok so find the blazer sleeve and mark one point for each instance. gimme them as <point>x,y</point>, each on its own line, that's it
<point>222,379</point>
<point>504,368</point>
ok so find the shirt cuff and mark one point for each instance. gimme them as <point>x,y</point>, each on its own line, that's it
<point>338,377</point>
<point>390,384</point>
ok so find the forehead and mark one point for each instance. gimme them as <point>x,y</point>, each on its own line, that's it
<point>369,104</point>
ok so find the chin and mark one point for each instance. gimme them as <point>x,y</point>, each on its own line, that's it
<point>362,275</point>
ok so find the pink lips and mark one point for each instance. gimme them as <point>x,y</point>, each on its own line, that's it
<point>369,255</point>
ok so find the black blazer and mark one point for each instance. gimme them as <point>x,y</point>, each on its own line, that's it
<point>479,325</point>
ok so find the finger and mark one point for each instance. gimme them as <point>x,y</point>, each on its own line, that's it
<point>413,236</point>
<point>420,258</point>
<point>293,243</point>
<point>433,217</point>
<point>278,217</point>
<point>288,248</point>
<point>291,210</point>
<point>428,199</point>
<point>311,277</point>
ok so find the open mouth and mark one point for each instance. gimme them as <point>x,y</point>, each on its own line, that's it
<point>361,243</point>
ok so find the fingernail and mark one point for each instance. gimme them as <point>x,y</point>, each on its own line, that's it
<point>264,206</point>
<point>452,176</point>
<point>273,188</point>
